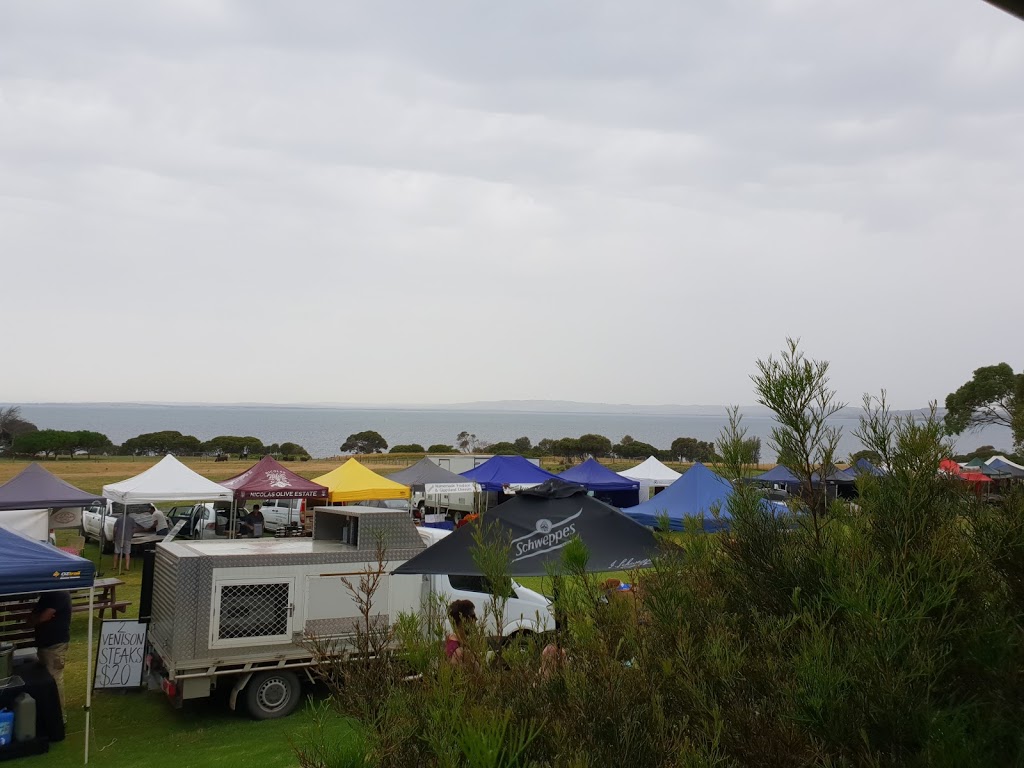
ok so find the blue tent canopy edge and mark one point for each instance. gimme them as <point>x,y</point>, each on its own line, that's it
<point>29,566</point>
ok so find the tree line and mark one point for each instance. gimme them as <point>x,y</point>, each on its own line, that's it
<point>25,439</point>
<point>568,448</point>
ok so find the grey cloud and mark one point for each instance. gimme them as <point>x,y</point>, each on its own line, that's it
<point>683,184</point>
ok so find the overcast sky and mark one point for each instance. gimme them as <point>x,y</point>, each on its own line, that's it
<point>429,202</point>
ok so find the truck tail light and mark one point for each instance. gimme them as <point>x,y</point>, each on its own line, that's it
<point>169,688</point>
<point>211,526</point>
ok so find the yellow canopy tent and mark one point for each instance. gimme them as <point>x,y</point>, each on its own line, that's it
<point>354,482</point>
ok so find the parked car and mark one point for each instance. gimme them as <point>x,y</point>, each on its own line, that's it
<point>208,520</point>
<point>279,513</point>
<point>94,514</point>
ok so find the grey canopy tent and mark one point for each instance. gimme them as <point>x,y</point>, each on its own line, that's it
<point>25,499</point>
<point>35,487</point>
<point>537,524</point>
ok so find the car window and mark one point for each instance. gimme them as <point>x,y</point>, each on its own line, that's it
<point>475,584</point>
<point>468,583</point>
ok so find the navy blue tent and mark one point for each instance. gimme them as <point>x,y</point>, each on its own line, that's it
<point>779,474</point>
<point>837,475</point>
<point>696,493</point>
<point>866,467</point>
<point>610,487</point>
<point>512,471</point>
<point>1005,468</point>
<point>29,566</point>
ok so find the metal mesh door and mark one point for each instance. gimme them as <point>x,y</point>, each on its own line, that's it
<point>253,610</point>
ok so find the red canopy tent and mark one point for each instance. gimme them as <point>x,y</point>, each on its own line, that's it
<point>950,467</point>
<point>268,479</point>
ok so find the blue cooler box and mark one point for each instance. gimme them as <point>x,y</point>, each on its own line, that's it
<point>6,727</point>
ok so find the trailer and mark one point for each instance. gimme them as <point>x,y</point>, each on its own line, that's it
<point>245,614</point>
<point>455,505</point>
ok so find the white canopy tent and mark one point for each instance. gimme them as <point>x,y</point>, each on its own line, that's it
<point>650,473</point>
<point>167,480</point>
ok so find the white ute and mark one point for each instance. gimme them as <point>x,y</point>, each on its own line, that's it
<point>243,613</point>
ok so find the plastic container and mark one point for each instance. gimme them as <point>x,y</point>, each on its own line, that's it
<point>6,659</point>
<point>24,717</point>
<point>6,727</point>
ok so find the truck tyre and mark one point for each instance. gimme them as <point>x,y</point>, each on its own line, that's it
<point>270,695</point>
<point>106,547</point>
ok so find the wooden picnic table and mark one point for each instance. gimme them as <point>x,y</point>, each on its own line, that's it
<point>106,597</point>
<point>15,609</point>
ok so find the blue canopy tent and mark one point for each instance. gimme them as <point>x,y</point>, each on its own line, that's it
<point>512,472</point>
<point>29,567</point>
<point>609,487</point>
<point>1004,467</point>
<point>697,493</point>
<point>837,475</point>
<point>863,466</point>
<point>780,474</point>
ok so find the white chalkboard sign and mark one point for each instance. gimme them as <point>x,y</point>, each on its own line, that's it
<point>121,654</point>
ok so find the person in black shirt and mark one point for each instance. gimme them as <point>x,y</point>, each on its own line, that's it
<point>51,618</point>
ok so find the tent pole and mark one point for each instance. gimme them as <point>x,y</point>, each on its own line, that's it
<point>103,520</point>
<point>88,674</point>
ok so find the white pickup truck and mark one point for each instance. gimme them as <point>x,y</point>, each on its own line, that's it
<point>241,615</point>
<point>93,515</point>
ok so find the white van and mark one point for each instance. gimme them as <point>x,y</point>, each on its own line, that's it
<point>526,611</point>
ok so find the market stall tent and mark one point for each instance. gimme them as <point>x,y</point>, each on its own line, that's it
<point>511,472</point>
<point>698,493</point>
<point>25,500</point>
<point>167,480</point>
<point>269,479</point>
<point>863,466</point>
<point>608,486</point>
<point>427,477</point>
<point>538,522</point>
<point>650,473</point>
<point>354,482</point>
<point>30,567</point>
<point>779,474</point>
<point>1004,466</point>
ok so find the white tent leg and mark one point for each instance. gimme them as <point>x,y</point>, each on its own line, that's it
<point>88,676</point>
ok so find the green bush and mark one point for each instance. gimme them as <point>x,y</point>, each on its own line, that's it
<point>883,633</point>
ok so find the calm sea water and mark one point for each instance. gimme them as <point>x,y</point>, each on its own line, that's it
<point>321,430</point>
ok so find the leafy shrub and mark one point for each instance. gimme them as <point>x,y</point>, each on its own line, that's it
<point>883,633</point>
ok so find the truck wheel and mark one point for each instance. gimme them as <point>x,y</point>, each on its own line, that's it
<point>106,547</point>
<point>270,695</point>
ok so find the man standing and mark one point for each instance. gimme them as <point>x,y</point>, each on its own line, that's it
<point>124,529</point>
<point>257,521</point>
<point>51,618</point>
<point>159,526</point>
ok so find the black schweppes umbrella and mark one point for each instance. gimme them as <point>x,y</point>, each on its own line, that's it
<point>537,524</point>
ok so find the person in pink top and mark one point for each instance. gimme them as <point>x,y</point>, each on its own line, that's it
<point>462,614</point>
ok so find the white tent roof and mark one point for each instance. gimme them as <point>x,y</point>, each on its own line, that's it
<point>167,480</point>
<point>652,472</point>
